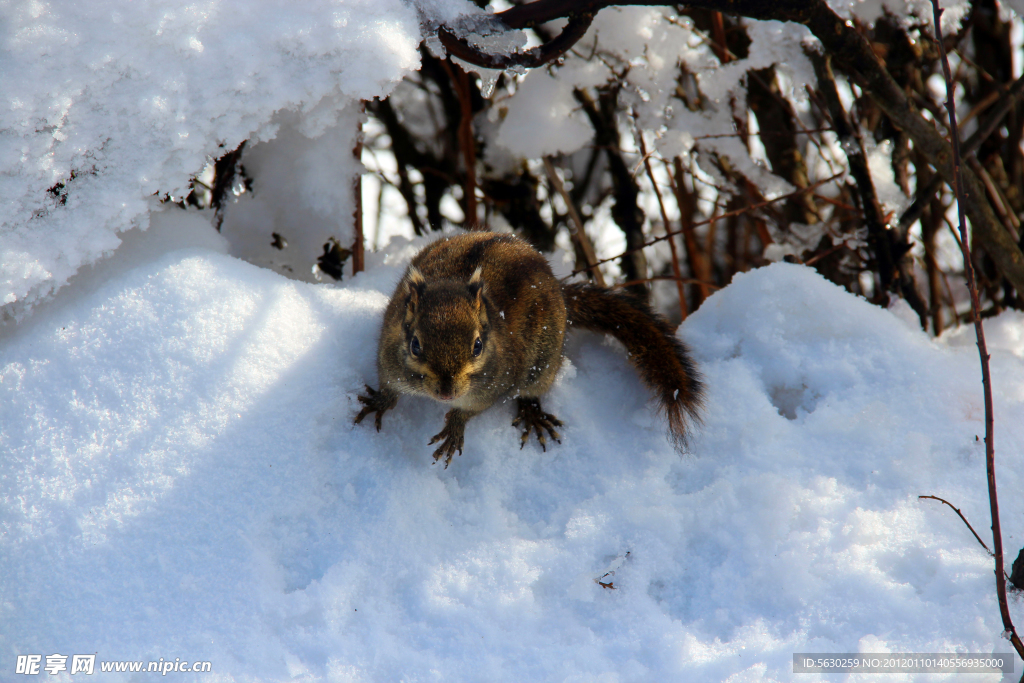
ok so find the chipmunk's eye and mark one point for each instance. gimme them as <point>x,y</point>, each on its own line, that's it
<point>478,346</point>
<point>414,347</point>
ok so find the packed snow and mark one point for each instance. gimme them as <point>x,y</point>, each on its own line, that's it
<point>113,105</point>
<point>182,479</point>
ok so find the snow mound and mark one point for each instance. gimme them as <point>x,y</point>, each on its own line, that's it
<point>182,480</point>
<point>113,103</point>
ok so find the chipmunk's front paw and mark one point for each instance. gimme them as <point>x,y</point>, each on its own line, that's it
<point>534,419</point>
<point>377,402</point>
<point>453,435</point>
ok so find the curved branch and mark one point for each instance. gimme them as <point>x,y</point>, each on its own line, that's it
<point>538,56</point>
<point>533,14</point>
<point>957,511</point>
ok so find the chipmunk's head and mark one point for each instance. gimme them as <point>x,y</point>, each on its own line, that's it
<point>446,335</point>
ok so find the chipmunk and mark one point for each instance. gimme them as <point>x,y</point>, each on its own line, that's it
<point>479,317</point>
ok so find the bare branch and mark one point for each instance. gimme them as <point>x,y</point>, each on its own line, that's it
<point>968,149</point>
<point>852,52</point>
<point>738,212</point>
<point>889,250</point>
<point>979,330</point>
<point>957,511</point>
<point>626,211</point>
<point>530,59</point>
<point>357,192</point>
<point>578,234</point>
<point>659,278</point>
<point>664,219</point>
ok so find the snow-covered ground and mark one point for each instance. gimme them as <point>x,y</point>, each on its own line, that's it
<point>182,480</point>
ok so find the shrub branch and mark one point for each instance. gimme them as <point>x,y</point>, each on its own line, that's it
<point>979,330</point>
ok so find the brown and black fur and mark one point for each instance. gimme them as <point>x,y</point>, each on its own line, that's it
<point>662,360</point>
<point>498,289</point>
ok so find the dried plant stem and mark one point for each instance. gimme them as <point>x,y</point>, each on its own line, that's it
<point>970,146</point>
<point>579,235</point>
<point>460,82</point>
<point>986,377</point>
<point>957,511</point>
<point>998,200</point>
<point>687,203</point>
<point>718,45</point>
<point>824,254</point>
<point>738,212</point>
<point>357,192</point>
<point>657,278</point>
<point>664,220</point>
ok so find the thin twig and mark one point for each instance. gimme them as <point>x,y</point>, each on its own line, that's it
<point>981,106</point>
<point>357,192</point>
<point>828,252</point>
<point>687,204</point>
<point>761,134</point>
<point>952,230</point>
<point>578,234</point>
<point>979,330</point>
<point>957,511</point>
<point>717,217</point>
<point>664,217</point>
<point>999,203</point>
<point>835,202</point>
<point>460,81</point>
<point>970,146</point>
<point>718,31</point>
<point>656,278</point>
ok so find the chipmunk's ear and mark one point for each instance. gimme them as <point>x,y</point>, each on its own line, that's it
<point>415,278</point>
<point>476,285</point>
<point>414,284</point>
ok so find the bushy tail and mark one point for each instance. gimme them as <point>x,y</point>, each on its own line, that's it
<point>663,361</point>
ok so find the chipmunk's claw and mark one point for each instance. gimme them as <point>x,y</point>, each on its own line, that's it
<point>534,419</point>
<point>377,402</point>
<point>447,449</point>
<point>454,436</point>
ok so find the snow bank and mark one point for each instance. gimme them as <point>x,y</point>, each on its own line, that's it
<point>182,480</point>
<point>112,106</point>
<point>110,103</point>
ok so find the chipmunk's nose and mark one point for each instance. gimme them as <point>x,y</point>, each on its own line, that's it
<point>445,389</point>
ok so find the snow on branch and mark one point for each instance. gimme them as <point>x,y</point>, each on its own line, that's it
<point>842,43</point>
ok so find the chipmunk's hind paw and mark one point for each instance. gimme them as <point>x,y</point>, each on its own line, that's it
<point>532,418</point>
